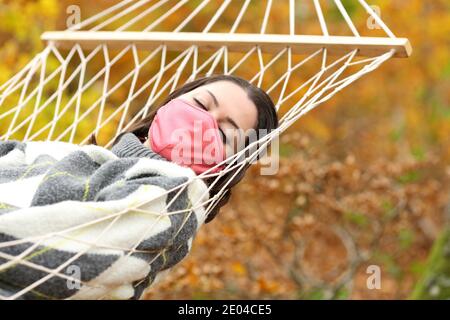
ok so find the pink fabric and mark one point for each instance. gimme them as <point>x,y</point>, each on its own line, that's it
<point>187,135</point>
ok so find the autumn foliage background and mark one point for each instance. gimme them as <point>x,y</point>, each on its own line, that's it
<point>363,179</point>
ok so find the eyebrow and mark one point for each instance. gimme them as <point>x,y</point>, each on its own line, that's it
<point>216,103</point>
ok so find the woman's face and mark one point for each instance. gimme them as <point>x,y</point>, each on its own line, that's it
<point>230,106</point>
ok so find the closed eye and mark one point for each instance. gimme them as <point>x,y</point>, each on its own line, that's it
<point>222,134</point>
<point>200,104</point>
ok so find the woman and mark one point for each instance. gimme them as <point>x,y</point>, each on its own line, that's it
<point>235,104</point>
<point>84,222</point>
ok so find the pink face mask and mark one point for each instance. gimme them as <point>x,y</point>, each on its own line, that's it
<point>187,135</point>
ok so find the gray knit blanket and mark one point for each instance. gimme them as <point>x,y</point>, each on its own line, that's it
<point>85,222</point>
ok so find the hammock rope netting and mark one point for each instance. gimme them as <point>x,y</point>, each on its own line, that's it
<point>105,73</point>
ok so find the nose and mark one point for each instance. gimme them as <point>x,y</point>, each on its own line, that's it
<point>217,114</point>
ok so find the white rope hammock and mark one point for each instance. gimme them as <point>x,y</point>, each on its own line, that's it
<point>160,53</point>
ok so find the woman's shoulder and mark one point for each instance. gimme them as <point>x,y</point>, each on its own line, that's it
<point>129,145</point>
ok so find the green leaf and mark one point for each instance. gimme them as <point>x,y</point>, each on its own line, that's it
<point>409,177</point>
<point>356,218</point>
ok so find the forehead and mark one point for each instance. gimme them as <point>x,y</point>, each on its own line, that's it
<point>234,101</point>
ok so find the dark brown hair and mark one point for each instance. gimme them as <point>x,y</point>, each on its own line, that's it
<point>267,119</point>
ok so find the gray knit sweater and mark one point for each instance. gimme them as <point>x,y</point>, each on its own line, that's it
<point>68,212</point>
